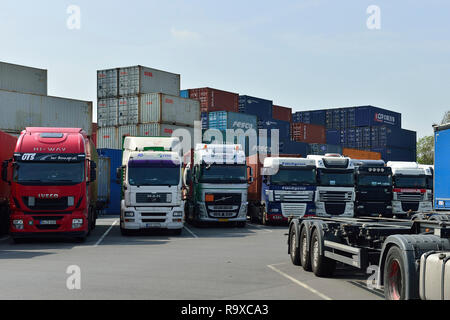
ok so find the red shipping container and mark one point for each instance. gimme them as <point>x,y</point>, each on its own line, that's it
<point>8,144</point>
<point>308,133</point>
<point>282,113</point>
<point>94,134</point>
<point>215,100</point>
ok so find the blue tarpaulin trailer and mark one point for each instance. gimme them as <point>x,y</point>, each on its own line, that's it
<point>442,167</point>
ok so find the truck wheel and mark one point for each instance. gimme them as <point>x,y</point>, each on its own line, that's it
<point>394,275</point>
<point>265,221</point>
<point>320,265</point>
<point>294,250</point>
<point>304,252</point>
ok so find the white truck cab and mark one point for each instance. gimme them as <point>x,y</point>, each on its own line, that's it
<point>219,182</point>
<point>410,188</point>
<point>335,194</point>
<point>151,176</point>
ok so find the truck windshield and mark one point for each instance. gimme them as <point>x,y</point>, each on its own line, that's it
<point>294,176</point>
<point>338,178</point>
<point>223,174</point>
<point>410,182</point>
<point>49,173</point>
<point>153,176</point>
<point>374,180</point>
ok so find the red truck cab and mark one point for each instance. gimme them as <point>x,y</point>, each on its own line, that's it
<point>51,178</point>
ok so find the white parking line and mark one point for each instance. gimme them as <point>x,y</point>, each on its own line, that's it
<point>188,230</point>
<point>321,295</point>
<point>259,227</point>
<point>106,233</point>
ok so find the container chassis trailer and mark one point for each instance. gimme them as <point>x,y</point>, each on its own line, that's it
<point>394,247</point>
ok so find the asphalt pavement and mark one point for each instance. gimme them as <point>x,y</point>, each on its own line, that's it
<point>223,263</point>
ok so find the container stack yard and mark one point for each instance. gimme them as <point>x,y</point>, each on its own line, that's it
<point>138,101</point>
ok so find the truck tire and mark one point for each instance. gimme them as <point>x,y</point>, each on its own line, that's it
<point>394,275</point>
<point>265,221</point>
<point>304,251</point>
<point>320,265</point>
<point>294,250</point>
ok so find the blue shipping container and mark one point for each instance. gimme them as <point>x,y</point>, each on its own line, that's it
<point>322,149</point>
<point>283,127</point>
<point>115,189</point>
<point>205,120</point>
<point>396,154</point>
<point>184,94</point>
<point>295,148</point>
<point>317,117</point>
<point>367,116</point>
<point>334,137</point>
<point>223,120</point>
<point>441,168</point>
<point>256,106</point>
<point>396,137</point>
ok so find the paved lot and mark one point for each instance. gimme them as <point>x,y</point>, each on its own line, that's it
<point>202,263</point>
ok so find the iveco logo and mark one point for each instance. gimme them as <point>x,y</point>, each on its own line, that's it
<point>48,196</point>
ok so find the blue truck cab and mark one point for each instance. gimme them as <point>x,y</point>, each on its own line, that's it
<point>288,188</point>
<point>442,167</point>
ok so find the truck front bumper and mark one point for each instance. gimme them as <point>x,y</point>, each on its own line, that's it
<point>333,209</point>
<point>135,218</point>
<point>403,207</point>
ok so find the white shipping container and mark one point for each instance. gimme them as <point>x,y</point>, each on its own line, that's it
<point>20,110</point>
<point>158,107</point>
<point>127,131</point>
<point>107,112</point>
<point>23,79</point>
<point>128,110</point>
<point>107,138</point>
<point>167,130</point>
<point>139,80</point>
<point>107,83</point>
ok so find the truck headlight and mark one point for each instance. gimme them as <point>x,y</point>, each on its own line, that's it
<point>70,201</point>
<point>271,196</point>
<point>129,214</point>
<point>169,197</point>
<point>18,224</point>
<point>31,201</point>
<point>178,213</point>
<point>77,223</point>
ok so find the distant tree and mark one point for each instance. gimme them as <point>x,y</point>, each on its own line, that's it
<point>425,150</point>
<point>446,118</point>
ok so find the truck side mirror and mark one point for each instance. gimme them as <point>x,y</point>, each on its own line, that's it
<point>265,180</point>
<point>119,175</point>
<point>93,172</point>
<point>250,179</point>
<point>5,171</point>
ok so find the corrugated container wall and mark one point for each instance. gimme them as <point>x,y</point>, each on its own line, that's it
<point>103,179</point>
<point>168,130</point>
<point>115,157</point>
<point>283,127</point>
<point>361,154</point>
<point>20,110</point>
<point>309,133</point>
<point>8,144</point>
<point>223,120</point>
<point>282,113</point>
<point>23,79</point>
<point>397,154</point>
<point>108,112</point>
<point>107,83</point>
<point>139,80</point>
<point>372,116</point>
<point>157,107</point>
<point>310,117</point>
<point>128,110</point>
<point>107,138</point>
<point>256,106</point>
<point>215,100</point>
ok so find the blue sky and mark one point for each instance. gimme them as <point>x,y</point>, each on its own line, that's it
<point>305,54</point>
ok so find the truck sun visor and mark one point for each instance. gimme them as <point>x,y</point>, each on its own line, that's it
<point>136,163</point>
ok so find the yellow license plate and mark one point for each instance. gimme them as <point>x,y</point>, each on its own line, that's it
<point>223,220</point>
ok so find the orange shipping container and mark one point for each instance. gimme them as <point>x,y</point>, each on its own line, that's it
<point>309,133</point>
<point>361,154</point>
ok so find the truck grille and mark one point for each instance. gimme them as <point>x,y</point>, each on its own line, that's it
<point>413,197</point>
<point>47,204</point>
<point>226,199</point>
<point>413,206</point>
<point>151,197</point>
<point>293,209</point>
<point>335,196</point>
<point>153,214</point>
<point>294,196</point>
<point>335,208</point>
<point>47,227</point>
<point>153,220</point>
